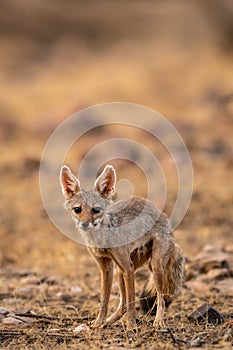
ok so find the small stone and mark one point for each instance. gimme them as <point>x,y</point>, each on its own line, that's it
<point>217,273</point>
<point>228,336</point>
<point>60,340</point>
<point>4,311</point>
<point>12,321</point>
<point>24,319</point>
<point>30,280</point>
<point>76,289</point>
<point>82,327</point>
<point>63,296</point>
<point>196,343</point>
<point>206,313</point>
<point>26,290</point>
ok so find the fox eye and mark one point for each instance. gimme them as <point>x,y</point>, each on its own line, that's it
<point>77,210</point>
<point>96,210</point>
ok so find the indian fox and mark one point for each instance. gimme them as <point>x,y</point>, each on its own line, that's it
<point>141,233</point>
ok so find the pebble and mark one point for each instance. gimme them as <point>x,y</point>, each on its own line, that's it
<point>9,318</point>
<point>24,319</point>
<point>228,336</point>
<point>26,290</point>
<point>196,342</point>
<point>30,280</point>
<point>4,311</point>
<point>12,321</point>
<point>206,313</point>
<point>82,327</point>
<point>76,289</point>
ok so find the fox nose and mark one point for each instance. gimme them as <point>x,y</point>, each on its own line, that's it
<point>85,224</point>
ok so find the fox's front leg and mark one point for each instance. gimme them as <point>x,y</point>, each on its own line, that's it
<point>106,268</point>
<point>121,307</point>
<point>130,297</point>
<point>124,263</point>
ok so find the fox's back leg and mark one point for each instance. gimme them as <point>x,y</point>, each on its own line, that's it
<point>173,280</point>
<point>122,304</point>
<point>158,279</point>
<point>160,256</point>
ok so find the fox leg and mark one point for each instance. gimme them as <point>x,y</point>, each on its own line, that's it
<point>121,307</point>
<point>128,275</point>
<point>106,268</point>
<point>158,277</point>
<point>123,261</point>
<point>159,283</point>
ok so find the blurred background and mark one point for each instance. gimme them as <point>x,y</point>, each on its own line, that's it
<point>57,57</point>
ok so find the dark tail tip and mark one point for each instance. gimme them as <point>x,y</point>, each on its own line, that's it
<point>148,302</point>
<point>148,305</point>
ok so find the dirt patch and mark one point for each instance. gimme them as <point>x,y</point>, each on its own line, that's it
<point>44,311</point>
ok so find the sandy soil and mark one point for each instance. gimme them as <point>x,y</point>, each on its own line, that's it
<point>174,57</point>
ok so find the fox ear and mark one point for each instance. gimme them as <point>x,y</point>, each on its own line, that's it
<point>69,183</point>
<point>105,184</point>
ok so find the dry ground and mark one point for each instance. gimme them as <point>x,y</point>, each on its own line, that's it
<point>174,57</point>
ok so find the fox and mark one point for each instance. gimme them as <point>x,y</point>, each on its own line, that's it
<point>134,233</point>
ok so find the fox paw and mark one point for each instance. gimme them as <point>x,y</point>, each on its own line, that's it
<point>131,335</point>
<point>98,323</point>
<point>159,323</point>
<point>114,317</point>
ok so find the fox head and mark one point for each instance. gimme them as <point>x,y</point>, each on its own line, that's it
<point>88,207</point>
